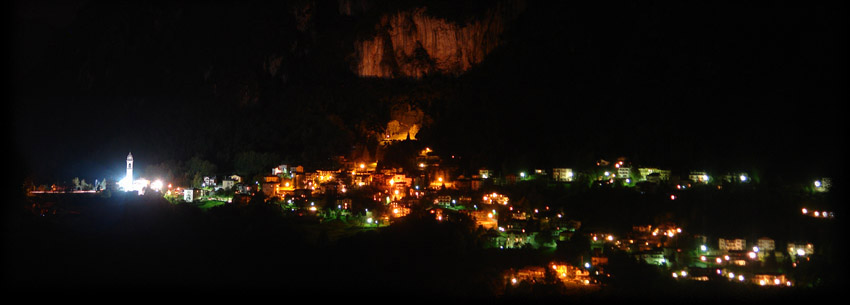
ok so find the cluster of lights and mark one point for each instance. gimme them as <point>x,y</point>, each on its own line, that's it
<point>668,233</point>
<point>819,214</point>
<point>775,282</point>
<point>495,198</point>
<point>608,237</point>
<point>731,276</point>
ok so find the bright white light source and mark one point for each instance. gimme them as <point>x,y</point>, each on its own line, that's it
<point>805,211</point>
<point>703,248</point>
<point>817,184</point>
<point>801,252</point>
<point>743,178</point>
<point>125,183</point>
<point>751,254</point>
<point>587,265</point>
<point>156,185</point>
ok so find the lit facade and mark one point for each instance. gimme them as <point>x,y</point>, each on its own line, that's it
<point>663,174</point>
<point>563,174</point>
<point>699,177</point>
<point>736,244</point>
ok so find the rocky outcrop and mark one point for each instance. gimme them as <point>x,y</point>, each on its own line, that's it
<point>413,43</point>
<point>406,120</point>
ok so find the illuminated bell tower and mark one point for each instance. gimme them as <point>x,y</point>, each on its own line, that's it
<point>130,167</point>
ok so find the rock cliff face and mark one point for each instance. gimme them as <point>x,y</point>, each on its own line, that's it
<point>412,43</point>
<point>406,120</point>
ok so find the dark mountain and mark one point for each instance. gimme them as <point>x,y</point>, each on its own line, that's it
<point>506,84</point>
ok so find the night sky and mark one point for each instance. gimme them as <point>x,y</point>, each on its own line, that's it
<point>698,85</point>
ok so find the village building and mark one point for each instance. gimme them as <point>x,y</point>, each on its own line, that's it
<point>563,174</point>
<point>736,244</point>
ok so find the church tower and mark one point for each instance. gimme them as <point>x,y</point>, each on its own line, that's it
<point>130,167</point>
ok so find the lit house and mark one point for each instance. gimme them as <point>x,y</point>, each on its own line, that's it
<point>770,280</point>
<point>563,174</point>
<point>538,173</point>
<point>531,274</point>
<point>439,178</point>
<point>736,244</point>
<point>512,240</point>
<point>737,177</point>
<point>209,181</point>
<point>663,174</point>
<point>800,249</point>
<point>485,173</point>
<point>766,244</point>
<point>270,185</point>
<point>227,183</point>
<point>624,172</point>
<point>654,257</point>
<point>485,219</point>
<point>325,175</point>
<point>280,169</point>
<point>192,194</point>
<point>699,177</point>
